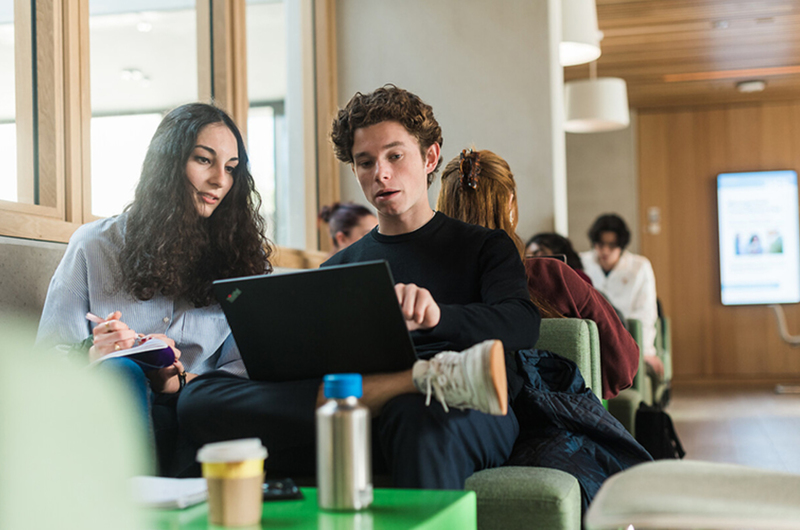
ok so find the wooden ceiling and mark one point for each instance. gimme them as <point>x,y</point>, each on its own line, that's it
<point>694,52</point>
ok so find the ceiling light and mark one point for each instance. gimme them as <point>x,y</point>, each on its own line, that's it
<point>580,38</point>
<point>755,85</point>
<point>596,105</point>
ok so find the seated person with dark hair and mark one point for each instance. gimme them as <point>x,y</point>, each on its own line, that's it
<point>627,279</point>
<point>552,244</point>
<point>347,222</point>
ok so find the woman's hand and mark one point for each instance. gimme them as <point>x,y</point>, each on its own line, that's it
<point>165,380</point>
<point>161,336</point>
<point>111,335</point>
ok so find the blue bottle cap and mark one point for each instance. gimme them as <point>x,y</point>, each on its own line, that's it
<point>340,386</point>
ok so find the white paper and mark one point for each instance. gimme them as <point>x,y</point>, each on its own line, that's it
<point>150,345</point>
<point>168,493</point>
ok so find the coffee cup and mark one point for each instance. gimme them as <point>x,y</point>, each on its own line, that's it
<point>234,471</point>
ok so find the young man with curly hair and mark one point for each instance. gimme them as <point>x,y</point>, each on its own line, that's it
<point>461,288</point>
<point>463,292</point>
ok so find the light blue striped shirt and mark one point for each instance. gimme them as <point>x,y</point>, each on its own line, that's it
<point>89,279</point>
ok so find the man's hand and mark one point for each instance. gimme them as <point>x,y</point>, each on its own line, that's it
<point>655,363</point>
<point>418,306</point>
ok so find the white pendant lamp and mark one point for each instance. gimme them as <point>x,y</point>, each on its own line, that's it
<point>580,37</point>
<point>597,104</point>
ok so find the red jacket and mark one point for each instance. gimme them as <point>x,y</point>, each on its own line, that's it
<point>557,283</point>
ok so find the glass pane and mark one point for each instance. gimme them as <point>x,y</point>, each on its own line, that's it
<point>143,63</point>
<point>116,167</point>
<point>261,135</point>
<point>8,127</point>
<point>266,87</point>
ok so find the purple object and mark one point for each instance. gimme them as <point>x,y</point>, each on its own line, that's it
<point>154,359</point>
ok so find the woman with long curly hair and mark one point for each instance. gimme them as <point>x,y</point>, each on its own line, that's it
<point>148,272</point>
<point>478,187</point>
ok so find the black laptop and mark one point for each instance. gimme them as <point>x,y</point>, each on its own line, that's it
<point>305,324</point>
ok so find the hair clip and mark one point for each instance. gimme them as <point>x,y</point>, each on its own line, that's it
<point>470,167</point>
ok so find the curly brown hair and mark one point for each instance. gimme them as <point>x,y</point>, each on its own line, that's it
<point>169,247</point>
<point>387,103</point>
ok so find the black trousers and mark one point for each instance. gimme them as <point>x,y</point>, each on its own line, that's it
<point>420,446</point>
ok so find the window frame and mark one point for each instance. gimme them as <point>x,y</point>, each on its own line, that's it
<point>62,97</point>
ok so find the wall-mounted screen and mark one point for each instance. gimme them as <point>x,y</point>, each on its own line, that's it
<point>759,237</point>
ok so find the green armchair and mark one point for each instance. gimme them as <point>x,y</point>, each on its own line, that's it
<point>624,406</point>
<point>539,498</point>
<point>662,390</point>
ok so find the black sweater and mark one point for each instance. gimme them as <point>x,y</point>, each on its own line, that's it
<point>474,274</point>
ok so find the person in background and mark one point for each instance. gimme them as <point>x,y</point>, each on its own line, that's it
<point>148,272</point>
<point>478,187</point>
<point>551,244</point>
<point>348,222</point>
<point>627,279</point>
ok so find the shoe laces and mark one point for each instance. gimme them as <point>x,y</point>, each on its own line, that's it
<point>446,380</point>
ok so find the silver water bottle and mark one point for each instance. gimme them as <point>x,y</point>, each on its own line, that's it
<point>344,460</point>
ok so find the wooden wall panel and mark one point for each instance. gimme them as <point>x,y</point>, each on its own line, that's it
<point>680,154</point>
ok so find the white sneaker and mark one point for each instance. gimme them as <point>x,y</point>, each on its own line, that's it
<point>472,379</point>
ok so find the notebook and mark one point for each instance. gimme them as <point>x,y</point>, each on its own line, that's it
<point>305,324</point>
<point>151,355</point>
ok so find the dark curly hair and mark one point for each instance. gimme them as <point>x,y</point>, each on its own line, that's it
<point>558,244</point>
<point>387,103</point>
<point>610,223</point>
<point>169,247</point>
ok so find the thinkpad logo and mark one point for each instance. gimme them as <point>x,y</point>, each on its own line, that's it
<point>234,295</point>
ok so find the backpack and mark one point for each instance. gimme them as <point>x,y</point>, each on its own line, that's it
<point>655,432</point>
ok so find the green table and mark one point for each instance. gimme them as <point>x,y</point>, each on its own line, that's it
<point>392,508</point>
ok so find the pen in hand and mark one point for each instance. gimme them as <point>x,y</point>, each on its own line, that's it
<point>91,317</point>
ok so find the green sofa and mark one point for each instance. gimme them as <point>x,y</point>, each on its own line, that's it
<point>539,498</point>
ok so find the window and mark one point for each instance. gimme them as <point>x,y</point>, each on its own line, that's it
<point>280,83</point>
<point>265,125</point>
<point>143,63</point>
<point>8,126</point>
<point>267,134</point>
<point>119,143</point>
<point>75,128</point>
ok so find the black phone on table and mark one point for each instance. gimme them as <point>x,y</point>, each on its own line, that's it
<point>281,489</point>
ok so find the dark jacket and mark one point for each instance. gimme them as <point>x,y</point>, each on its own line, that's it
<point>564,426</point>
